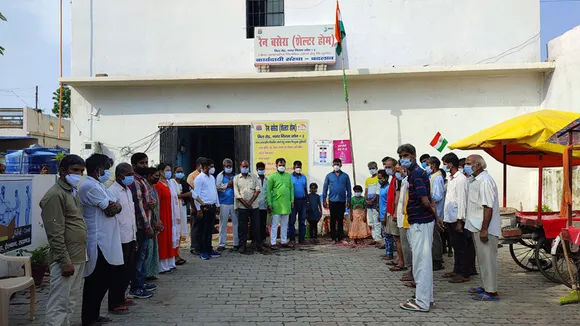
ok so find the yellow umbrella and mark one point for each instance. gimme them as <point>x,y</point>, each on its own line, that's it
<point>525,138</point>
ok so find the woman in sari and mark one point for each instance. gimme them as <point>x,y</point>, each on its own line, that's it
<point>170,217</point>
<point>152,261</point>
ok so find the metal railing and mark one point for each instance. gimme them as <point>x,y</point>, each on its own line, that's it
<point>11,118</point>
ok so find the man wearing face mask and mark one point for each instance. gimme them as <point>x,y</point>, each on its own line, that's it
<point>300,203</point>
<point>104,250</point>
<point>194,228</point>
<point>185,199</point>
<point>246,190</point>
<point>225,188</point>
<point>207,204</point>
<point>484,221</point>
<point>421,214</point>
<point>280,198</point>
<point>371,191</point>
<point>423,159</point>
<point>437,185</point>
<point>261,170</point>
<point>66,231</point>
<point>336,195</point>
<point>124,176</point>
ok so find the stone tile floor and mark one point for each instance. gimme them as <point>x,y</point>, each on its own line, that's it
<point>324,285</point>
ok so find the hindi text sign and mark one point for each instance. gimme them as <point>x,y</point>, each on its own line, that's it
<point>286,139</point>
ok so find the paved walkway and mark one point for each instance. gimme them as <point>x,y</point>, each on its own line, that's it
<point>325,285</point>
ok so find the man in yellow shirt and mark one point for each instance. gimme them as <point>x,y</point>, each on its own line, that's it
<point>371,190</point>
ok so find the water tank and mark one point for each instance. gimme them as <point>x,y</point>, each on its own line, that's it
<point>31,160</point>
<point>13,161</point>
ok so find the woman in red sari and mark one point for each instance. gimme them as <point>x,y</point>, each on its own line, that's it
<point>165,238</point>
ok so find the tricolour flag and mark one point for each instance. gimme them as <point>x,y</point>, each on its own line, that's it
<point>339,32</point>
<point>439,143</point>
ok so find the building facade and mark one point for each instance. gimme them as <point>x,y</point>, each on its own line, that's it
<point>182,82</point>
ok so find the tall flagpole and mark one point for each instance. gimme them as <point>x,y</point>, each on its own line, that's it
<point>60,89</point>
<point>348,117</point>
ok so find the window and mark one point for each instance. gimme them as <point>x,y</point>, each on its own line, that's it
<point>263,13</point>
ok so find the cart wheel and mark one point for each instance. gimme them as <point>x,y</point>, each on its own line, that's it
<point>544,261</point>
<point>523,253</point>
<point>559,263</point>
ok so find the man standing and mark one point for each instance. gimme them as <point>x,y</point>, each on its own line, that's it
<point>454,218</point>
<point>280,198</point>
<point>225,188</point>
<point>124,176</point>
<point>300,184</point>
<point>194,230</point>
<point>261,168</point>
<point>208,205</point>
<point>66,231</point>
<point>484,221</point>
<point>246,191</point>
<point>104,251</point>
<point>437,185</point>
<point>336,195</point>
<point>423,159</point>
<point>421,216</point>
<point>144,204</point>
<point>371,190</point>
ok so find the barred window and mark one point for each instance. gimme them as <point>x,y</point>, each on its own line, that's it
<point>263,13</point>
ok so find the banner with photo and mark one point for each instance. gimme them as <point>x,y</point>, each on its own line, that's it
<point>15,213</point>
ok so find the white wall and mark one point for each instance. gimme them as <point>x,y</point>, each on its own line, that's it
<point>397,111</point>
<point>562,93</point>
<point>149,37</point>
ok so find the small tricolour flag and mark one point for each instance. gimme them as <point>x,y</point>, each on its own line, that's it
<point>339,32</point>
<point>438,142</point>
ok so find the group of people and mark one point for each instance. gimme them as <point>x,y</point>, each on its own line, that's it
<point>118,233</point>
<point>416,205</point>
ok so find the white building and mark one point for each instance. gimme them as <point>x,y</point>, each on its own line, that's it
<point>414,68</point>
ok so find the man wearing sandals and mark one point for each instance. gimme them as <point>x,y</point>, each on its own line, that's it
<point>483,220</point>
<point>421,216</point>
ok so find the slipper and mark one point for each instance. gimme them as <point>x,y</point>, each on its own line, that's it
<point>104,320</point>
<point>410,284</point>
<point>391,263</point>
<point>459,280</point>
<point>412,305</point>
<point>476,290</point>
<point>180,262</point>
<point>398,268</point>
<point>484,297</point>
<point>130,302</point>
<point>448,275</point>
<point>407,278</point>
<point>121,310</point>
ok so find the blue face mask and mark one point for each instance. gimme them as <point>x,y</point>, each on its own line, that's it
<point>406,163</point>
<point>105,176</point>
<point>228,170</point>
<point>446,169</point>
<point>128,180</point>
<point>424,165</point>
<point>261,172</point>
<point>168,175</point>
<point>389,171</point>
<point>245,170</point>
<point>468,169</point>
<point>179,175</point>
<point>399,176</point>
<point>428,170</point>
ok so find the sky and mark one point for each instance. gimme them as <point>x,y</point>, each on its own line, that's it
<point>31,40</point>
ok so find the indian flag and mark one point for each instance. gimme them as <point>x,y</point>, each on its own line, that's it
<point>339,32</point>
<point>438,142</point>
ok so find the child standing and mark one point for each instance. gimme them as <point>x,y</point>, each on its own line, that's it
<point>314,211</point>
<point>359,228</point>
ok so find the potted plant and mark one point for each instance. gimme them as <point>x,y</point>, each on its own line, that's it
<point>39,260</point>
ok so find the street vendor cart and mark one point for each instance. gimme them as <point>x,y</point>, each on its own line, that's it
<point>524,142</point>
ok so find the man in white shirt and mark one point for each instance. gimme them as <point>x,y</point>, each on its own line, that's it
<point>454,218</point>
<point>483,220</point>
<point>104,251</point>
<point>207,204</point>
<point>128,230</point>
<point>437,182</point>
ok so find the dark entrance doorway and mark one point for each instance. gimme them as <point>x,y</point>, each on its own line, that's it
<point>183,145</point>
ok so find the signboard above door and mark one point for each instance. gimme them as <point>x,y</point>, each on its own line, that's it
<point>294,45</point>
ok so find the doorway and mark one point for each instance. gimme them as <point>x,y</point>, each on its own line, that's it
<point>183,145</point>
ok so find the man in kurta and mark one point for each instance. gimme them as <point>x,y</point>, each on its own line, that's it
<point>280,198</point>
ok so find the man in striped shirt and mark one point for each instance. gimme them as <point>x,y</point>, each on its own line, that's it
<point>421,216</point>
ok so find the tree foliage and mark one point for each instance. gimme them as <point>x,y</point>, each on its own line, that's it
<point>65,101</point>
<point>3,19</point>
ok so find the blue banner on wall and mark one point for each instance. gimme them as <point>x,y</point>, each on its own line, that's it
<point>15,213</point>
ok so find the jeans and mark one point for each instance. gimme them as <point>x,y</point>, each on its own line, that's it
<point>138,279</point>
<point>300,210</point>
<point>337,220</point>
<point>206,226</point>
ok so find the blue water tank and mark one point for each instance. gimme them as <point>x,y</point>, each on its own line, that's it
<point>31,160</point>
<point>13,160</point>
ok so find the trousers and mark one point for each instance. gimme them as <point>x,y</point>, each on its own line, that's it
<point>421,245</point>
<point>120,283</point>
<point>487,261</point>
<point>281,220</point>
<point>228,212</point>
<point>337,220</point>
<point>253,217</point>
<point>96,286</point>
<point>437,248</point>
<point>313,229</point>
<point>138,277</point>
<point>299,210</point>
<point>206,228</point>
<point>464,250</point>
<point>374,223</point>
<point>407,253</point>
<point>63,295</point>
<point>194,232</point>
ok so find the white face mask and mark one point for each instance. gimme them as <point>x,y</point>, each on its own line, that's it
<point>73,179</point>
<point>336,168</point>
<point>212,171</point>
<point>298,170</point>
<point>373,171</point>
<point>281,169</point>
<point>358,194</point>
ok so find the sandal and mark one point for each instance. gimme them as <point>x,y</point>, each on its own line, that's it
<point>411,305</point>
<point>407,278</point>
<point>449,275</point>
<point>397,268</point>
<point>410,284</point>
<point>104,320</point>
<point>484,297</point>
<point>121,310</point>
<point>391,263</point>
<point>130,302</point>
<point>476,290</point>
<point>180,262</point>
<point>459,279</point>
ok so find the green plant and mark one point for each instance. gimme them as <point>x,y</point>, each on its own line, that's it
<point>65,101</point>
<point>59,156</point>
<point>39,257</point>
<point>545,208</point>
<point>3,19</point>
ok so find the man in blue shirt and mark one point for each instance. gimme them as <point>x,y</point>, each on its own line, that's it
<point>421,213</point>
<point>336,195</point>
<point>300,203</point>
<point>225,188</point>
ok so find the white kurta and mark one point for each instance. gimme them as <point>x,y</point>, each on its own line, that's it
<point>174,189</point>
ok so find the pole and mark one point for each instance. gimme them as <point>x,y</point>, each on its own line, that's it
<point>348,119</point>
<point>540,186</point>
<point>504,175</point>
<point>36,99</point>
<point>60,89</point>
